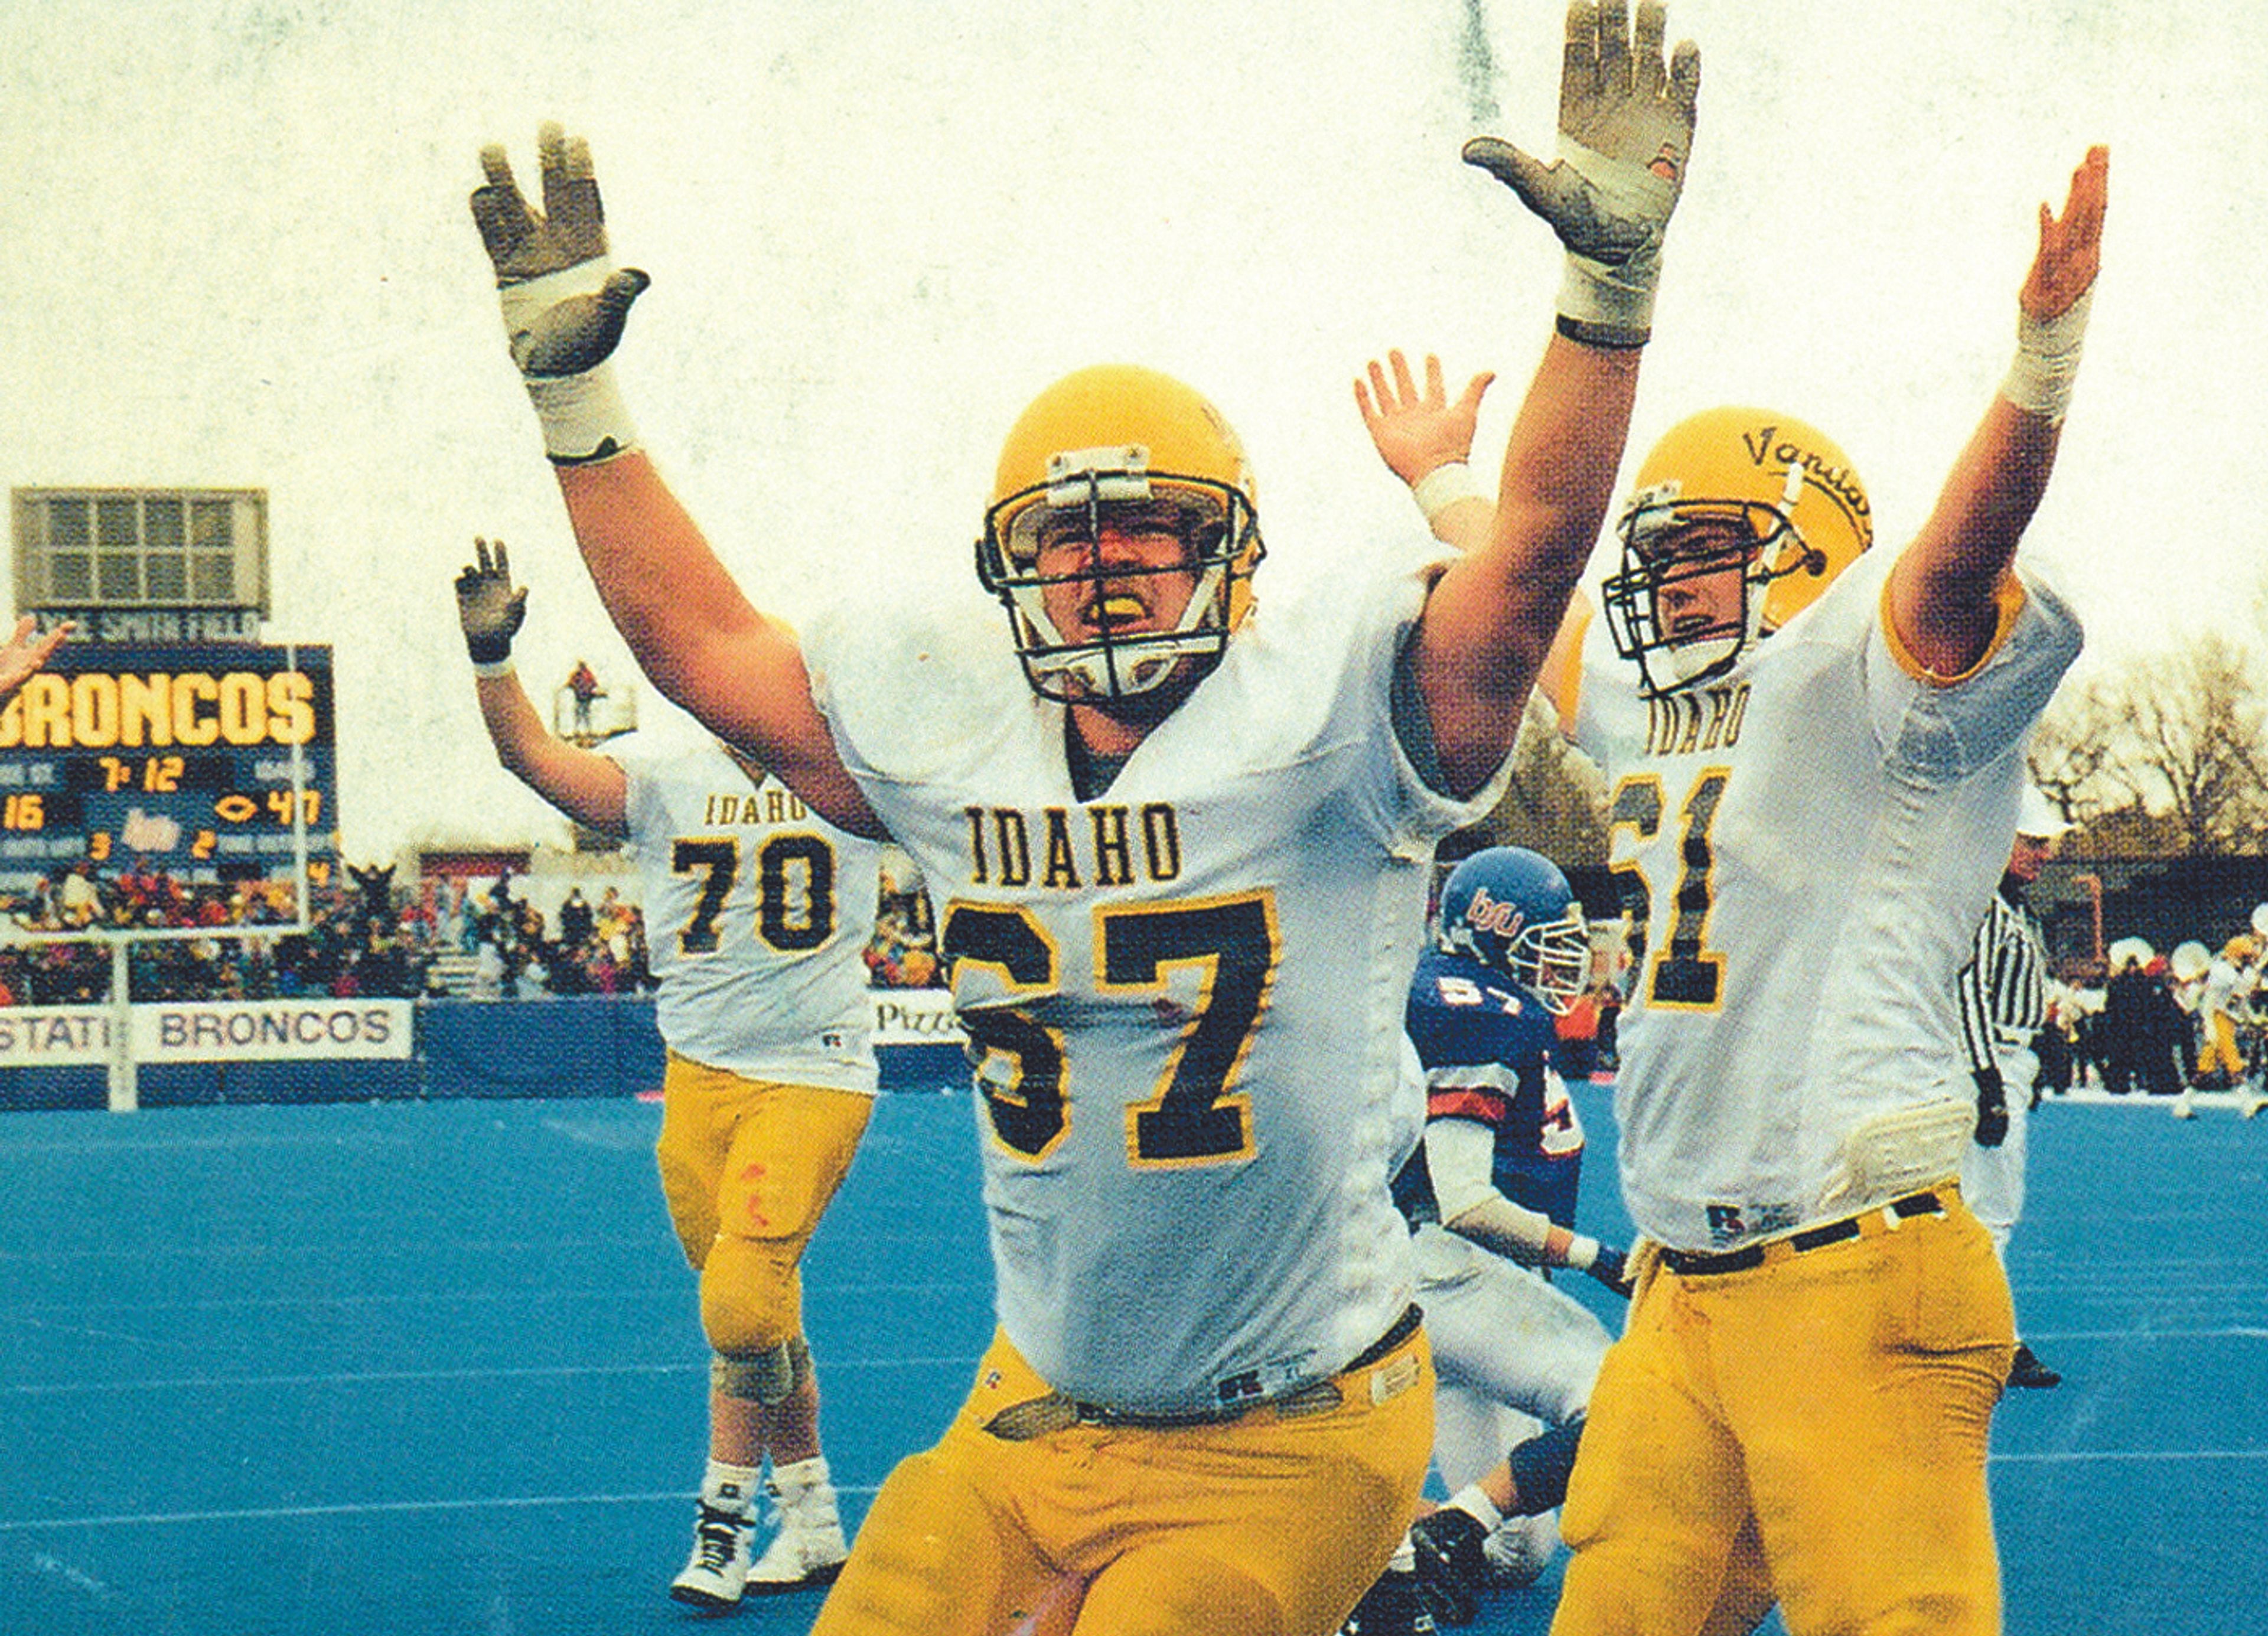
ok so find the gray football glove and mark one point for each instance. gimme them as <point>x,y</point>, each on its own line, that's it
<point>1626,135</point>
<point>488,607</point>
<point>564,301</point>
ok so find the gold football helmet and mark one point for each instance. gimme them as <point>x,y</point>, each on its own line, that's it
<point>1119,437</point>
<point>1727,489</point>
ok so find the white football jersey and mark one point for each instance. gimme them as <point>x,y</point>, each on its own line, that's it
<point>1812,834</point>
<point>757,911</point>
<point>1183,996</point>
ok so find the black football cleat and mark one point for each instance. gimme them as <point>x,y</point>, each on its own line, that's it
<point>2028,1371</point>
<point>1392,1607</point>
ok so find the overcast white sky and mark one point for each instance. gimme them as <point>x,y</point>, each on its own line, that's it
<point>235,251</point>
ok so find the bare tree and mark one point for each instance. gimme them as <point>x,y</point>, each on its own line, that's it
<point>2072,748</point>
<point>2167,752</point>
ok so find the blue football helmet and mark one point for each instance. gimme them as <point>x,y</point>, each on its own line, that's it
<point>1511,909</point>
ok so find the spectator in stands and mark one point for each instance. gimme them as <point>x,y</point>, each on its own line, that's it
<point>583,682</point>
<point>488,971</point>
<point>613,916</point>
<point>575,919</point>
<point>449,928</point>
<point>2125,1024</point>
<point>638,969</point>
<point>897,956</point>
<point>1578,1029</point>
<point>79,900</point>
<point>2168,1034</point>
<point>2056,1047</point>
<point>1609,998</point>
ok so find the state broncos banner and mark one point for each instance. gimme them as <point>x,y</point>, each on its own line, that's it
<point>55,1036</point>
<point>273,1030</point>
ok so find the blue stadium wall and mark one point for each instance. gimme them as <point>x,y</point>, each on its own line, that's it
<point>567,1047</point>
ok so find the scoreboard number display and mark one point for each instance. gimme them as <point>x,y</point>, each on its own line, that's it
<point>182,755</point>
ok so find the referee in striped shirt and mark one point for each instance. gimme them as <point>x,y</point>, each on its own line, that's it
<point>2004,996</point>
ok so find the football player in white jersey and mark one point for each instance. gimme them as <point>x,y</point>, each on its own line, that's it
<point>758,911</point>
<point>1800,1402</point>
<point>1181,862</point>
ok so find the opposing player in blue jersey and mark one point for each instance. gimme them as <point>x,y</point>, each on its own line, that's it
<point>1489,1196</point>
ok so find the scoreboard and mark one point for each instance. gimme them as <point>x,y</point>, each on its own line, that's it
<point>184,756</point>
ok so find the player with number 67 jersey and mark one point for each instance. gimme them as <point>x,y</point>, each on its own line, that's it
<point>1180,853</point>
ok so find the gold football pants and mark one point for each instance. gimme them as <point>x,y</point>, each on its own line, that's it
<point>2219,1053</point>
<point>747,1168</point>
<point>1272,1524</point>
<point>1815,1426</point>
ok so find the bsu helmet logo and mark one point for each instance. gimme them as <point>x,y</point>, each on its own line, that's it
<point>1488,914</point>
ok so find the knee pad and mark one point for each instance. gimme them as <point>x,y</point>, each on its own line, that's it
<point>751,1298</point>
<point>764,1377</point>
<point>769,1378</point>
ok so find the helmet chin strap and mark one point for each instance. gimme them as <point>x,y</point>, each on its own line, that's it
<point>1161,698</point>
<point>1121,677</point>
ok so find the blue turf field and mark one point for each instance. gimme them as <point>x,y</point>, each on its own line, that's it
<point>424,1369</point>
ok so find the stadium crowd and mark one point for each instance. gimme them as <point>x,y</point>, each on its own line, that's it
<point>2160,1024</point>
<point>366,936</point>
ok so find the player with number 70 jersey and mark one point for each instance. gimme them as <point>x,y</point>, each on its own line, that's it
<point>757,913</point>
<point>742,886</point>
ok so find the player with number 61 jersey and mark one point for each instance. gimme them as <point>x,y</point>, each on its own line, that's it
<point>1819,770</point>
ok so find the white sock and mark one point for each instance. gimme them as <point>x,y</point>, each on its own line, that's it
<point>730,1487</point>
<point>801,1480</point>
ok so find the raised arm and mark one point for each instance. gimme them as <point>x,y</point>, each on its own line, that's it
<point>26,653</point>
<point>1426,441</point>
<point>1626,119</point>
<point>586,786</point>
<point>1946,589</point>
<point>700,640</point>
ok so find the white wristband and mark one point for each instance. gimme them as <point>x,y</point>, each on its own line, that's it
<point>493,669</point>
<point>584,417</point>
<point>2046,367</point>
<point>1474,1501</point>
<point>1613,305</point>
<point>1443,487</point>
